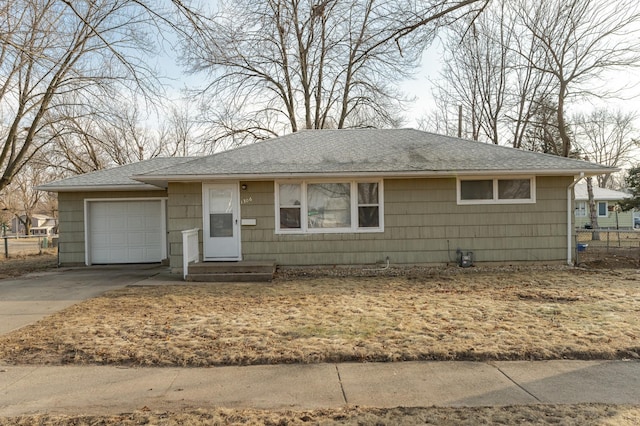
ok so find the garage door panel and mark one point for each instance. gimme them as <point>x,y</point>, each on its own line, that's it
<point>125,231</point>
<point>136,253</point>
<point>117,238</point>
<point>153,239</point>
<point>136,223</point>
<point>136,239</point>
<point>100,253</point>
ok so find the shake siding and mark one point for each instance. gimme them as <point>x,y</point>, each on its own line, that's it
<point>625,219</point>
<point>423,224</point>
<point>71,220</point>
<point>184,211</point>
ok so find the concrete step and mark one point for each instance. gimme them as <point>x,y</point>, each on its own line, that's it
<point>243,271</point>
<point>231,277</point>
<point>254,267</point>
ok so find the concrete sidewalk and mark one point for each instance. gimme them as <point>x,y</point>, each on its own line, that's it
<point>111,390</point>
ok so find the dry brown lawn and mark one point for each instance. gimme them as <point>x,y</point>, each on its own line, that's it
<point>20,264</point>
<point>580,414</point>
<point>452,314</point>
<point>475,315</point>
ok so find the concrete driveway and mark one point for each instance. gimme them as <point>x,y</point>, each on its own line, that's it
<point>29,298</point>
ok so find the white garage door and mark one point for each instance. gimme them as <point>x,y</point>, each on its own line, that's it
<point>125,231</point>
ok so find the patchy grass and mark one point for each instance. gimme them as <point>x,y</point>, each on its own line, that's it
<point>529,314</point>
<point>578,414</point>
<point>20,264</point>
<point>536,314</point>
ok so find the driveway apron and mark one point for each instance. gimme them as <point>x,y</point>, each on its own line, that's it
<point>29,298</point>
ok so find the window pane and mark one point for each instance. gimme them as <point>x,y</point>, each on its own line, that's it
<point>368,217</point>
<point>581,209</point>
<point>602,209</point>
<point>514,189</point>
<point>476,190</point>
<point>220,201</point>
<point>329,205</point>
<point>290,218</point>
<point>290,194</point>
<point>367,193</point>
<point>221,225</point>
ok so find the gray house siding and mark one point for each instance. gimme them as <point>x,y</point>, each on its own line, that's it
<point>184,211</point>
<point>71,216</point>
<point>423,224</point>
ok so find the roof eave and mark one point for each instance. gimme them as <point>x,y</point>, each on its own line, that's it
<point>99,188</point>
<point>163,179</point>
<point>601,199</point>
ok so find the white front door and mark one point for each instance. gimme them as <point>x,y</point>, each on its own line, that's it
<point>221,216</point>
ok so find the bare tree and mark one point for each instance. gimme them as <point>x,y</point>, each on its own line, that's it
<point>488,73</point>
<point>593,211</point>
<point>474,74</point>
<point>581,40</point>
<point>56,53</point>
<point>529,92</point>
<point>607,137</point>
<point>22,200</point>
<point>442,119</point>
<point>120,134</point>
<point>523,60</point>
<point>278,66</point>
<point>178,131</point>
<point>542,130</point>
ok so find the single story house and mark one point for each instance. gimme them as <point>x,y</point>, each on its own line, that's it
<point>329,197</point>
<point>41,225</point>
<point>606,201</point>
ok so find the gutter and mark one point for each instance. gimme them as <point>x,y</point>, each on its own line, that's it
<point>576,179</point>
<point>98,188</point>
<point>162,179</point>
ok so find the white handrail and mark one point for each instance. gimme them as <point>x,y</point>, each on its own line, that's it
<point>190,249</point>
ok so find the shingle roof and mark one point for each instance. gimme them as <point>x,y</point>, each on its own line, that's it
<point>114,178</point>
<point>601,194</point>
<point>315,153</point>
<point>370,151</point>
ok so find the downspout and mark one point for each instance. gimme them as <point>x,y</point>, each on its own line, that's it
<point>576,179</point>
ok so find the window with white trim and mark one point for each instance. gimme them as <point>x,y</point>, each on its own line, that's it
<point>603,209</point>
<point>581,209</point>
<point>496,190</point>
<point>329,206</point>
<point>290,196</point>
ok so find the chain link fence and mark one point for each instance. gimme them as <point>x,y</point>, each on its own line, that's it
<point>608,247</point>
<point>12,246</point>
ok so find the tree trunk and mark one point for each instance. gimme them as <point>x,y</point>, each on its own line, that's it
<point>593,213</point>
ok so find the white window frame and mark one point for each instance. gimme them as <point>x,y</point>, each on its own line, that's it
<point>606,208</point>
<point>354,228</point>
<point>495,199</point>
<point>581,209</point>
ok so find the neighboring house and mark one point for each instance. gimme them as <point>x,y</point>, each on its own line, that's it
<point>329,197</point>
<point>41,225</point>
<point>605,202</point>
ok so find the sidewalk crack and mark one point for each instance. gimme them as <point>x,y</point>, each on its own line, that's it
<point>344,395</point>
<point>166,391</point>
<point>515,383</point>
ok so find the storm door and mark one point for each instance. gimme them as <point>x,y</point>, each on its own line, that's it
<point>221,217</point>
